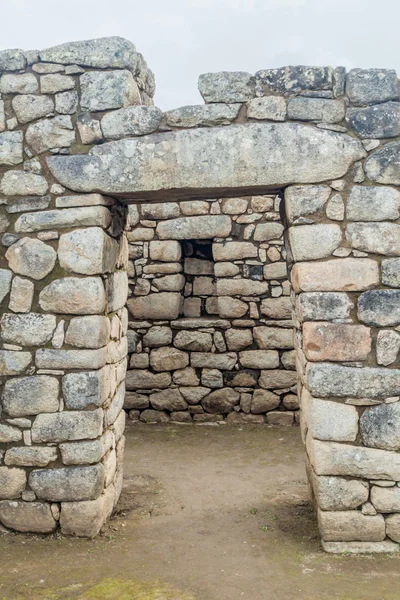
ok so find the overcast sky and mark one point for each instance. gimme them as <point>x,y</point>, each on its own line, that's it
<point>182,38</point>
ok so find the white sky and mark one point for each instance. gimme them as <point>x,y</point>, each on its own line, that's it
<point>182,38</point>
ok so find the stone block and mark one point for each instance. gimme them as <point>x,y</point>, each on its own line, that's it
<point>170,399</point>
<point>21,296</point>
<point>387,347</point>
<point>231,307</point>
<point>47,358</point>
<point>310,242</point>
<point>107,90</point>
<point>349,526</point>
<point>301,108</point>
<point>54,82</point>
<point>143,379</point>
<point>159,306</point>
<point>277,379</point>
<point>323,306</point>
<point>393,529</point>
<point>89,129</point>
<point>332,421</point>
<point>371,86</point>
<point>199,227</point>
<point>131,121</point>
<point>338,493</point>
<point>221,401</point>
<point>11,150</point>
<point>92,331</point>
<point>226,86</point>
<point>100,53</point>
<point>67,103</point>
<point>293,79</point>
<point>277,308</point>
<point>46,134</point>
<point>376,122</point>
<point>154,416</point>
<point>27,517</point>
<point>277,417</point>
<point>273,337</point>
<point>373,203</point>
<point>25,83</point>
<point>14,363</point>
<point>342,274</point>
<point>12,60</point>
<point>193,340</point>
<point>165,251</point>
<point>20,183</point>
<point>9,434</point>
<point>304,200</point>
<point>31,329</point>
<point>33,395</point>
<point>30,456</point>
<point>82,390</point>
<point>379,308</point>
<point>207,360</point>
<point>237,339</point>
<point>202,116</point>
<point>265,232</point>
<point>271,108</point>
<point>67,426</point>
<point>12,482</point>
<point>277,270</point>
<point>234,251</point>
<point>168,359</point>
<point>117,292</point>
<point>136,401</point>
<point>170,283</point>
<point>241,287</point>
<point>327,380</point>
<point>31,257</point>
<point>382,165</point>
<point>336,341</point>
<point>385,499</point>
<point>377,238</point>
<point>385,547</point>
<point>84,216</point>
<point>380,426</point>
<point>68,484</point>
<point>391,272</point>
<point>87,251</point>
<point>264,401</point>
<point>259,359</point>
<point>73,295</point>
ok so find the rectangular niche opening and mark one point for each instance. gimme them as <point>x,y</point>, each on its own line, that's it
<point>200,288</point>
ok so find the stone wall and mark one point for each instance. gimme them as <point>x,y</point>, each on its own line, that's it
<point>63,289</point>
<point>210,310</point>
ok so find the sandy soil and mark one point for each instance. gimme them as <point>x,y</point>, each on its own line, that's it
<point>206,514</point>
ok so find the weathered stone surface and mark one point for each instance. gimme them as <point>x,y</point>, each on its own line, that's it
<point>327,380</point>
<point>378,238</point>
<point>373,203</point>
<point>142,379</point>
<point>70,359</point>
<point>273,337</point>
<point>380,426</point>
<point>30,456</point>
<point>342,274</point>
<point>385,500</point>
<point>162,210</point>
<point>379,121</point>
<point>165,251</point>
<point>226,86</point>
<point>12,60</point>
<point>383,165</point>
<point>89,388</point>
<point>336,341</point>
<point>268,231</point>
<point>53,83</point>
<point>371,86</point>
<point>259,359</point>
<point>231,307</point>
<point>241,287</point>
<point>393,527</point>
<point>385,547</point>
<point>170,399</point>
<point>379,308</point>
<point>87,251</point>
<point>207,360</point>
<point>67,102</point>
<point>21,296</point>
<point>131,121</point>
<point>31,257</point>
<point>332,421</point>
<point>117,290</point>
<point>277,308</point>
<point>271,108</point>
<point>164,305</point>
<point>5,283</point>
<point>343,526</point>
<point>335,208</point>
<point>24,396</point>
<point>107,90</point>
<point>13,363</point>
<point>331,458</point>
<point>186,376</point>
<point>100,53</point>
<point>27,517</point>
<point>9,434</point>
<point>87,216</point>
<point>157,336</point>
<point>197,266</point>
<point>337,493</point>
<point>390,272</point>
<point>310,242</point>
<point>201,227</point>
<point>170,283</point>
<point>88,332</point>
<point>73,295</point>
<point>168,359</point>
<point>316,109</point>
<point>201,322</point>
<point>294,79</point>
<point>154,416</point>
<point>11,152</point>
<point>25,83</point>
<point>277,379</point>
<point>85,519</point>
<point>387,347</point>
<point>240,156</point>
<point>221,401</point>
<point>278,417</point>
<point>303,200</point>
<point>193,340</point>
<point>70,483</point>
<point>324,306</point>
<point>202,115</point>
<point>237,339</point>
<point>89,129</point>
<point>264,401</point>
<point>20,183</point>
<point>25,204</point>
<point>12,482</point>
<point>75,453</point>
<point>50,133</point>
<point>234,250</point>
<point>67,426</point>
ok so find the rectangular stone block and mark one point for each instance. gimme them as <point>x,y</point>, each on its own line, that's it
<point>234,250</point>
<point>323,306</point>
<point>336,341</point>
<point>48,358</point>
<point>332,421</point>
<point>342,274</point>
<point>33,395</point>
<point>69,483</point>
<point>164,305</point>
<point>81,390</point>
<point>207,360</point>
<point>67,425</point>
<point>198,228</point>
<point>351,525</point>
<point>86,216</point>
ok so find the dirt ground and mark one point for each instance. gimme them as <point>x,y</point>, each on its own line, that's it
<point>207,513</point>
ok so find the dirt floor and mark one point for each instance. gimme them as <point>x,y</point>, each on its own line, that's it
<point>207,513</point>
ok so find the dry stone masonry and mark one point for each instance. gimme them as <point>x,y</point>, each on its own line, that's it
<point>190,278</point>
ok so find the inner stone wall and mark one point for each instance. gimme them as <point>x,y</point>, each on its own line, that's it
<point>212,335</point>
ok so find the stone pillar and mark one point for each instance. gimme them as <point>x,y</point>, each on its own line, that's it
<point>63,288</point>
<point>347,315</point>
